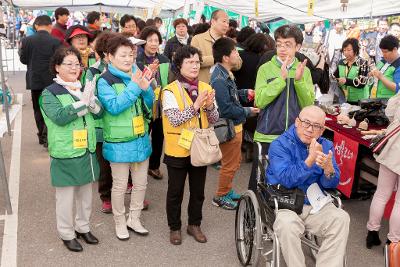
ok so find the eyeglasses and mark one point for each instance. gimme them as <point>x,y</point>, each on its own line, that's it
<point>314,126</point>
<point>72,65</point>
<point>284,45</point>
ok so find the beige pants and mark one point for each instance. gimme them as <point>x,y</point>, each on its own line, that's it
<point>65,197</point>
<point>120,173</point>
<point>330,223</point>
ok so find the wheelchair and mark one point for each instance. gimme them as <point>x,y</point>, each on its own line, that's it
<point>254,236</point>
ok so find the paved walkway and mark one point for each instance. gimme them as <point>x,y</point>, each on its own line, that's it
<point>38,244</point>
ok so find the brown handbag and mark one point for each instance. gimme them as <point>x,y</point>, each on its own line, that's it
<point>205,146</point>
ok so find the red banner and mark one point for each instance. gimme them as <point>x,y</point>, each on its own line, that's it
<point>346,151</point>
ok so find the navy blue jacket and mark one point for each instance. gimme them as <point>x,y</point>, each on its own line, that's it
<point>228,96</point>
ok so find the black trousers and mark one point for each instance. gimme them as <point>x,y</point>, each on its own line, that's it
<point>176,188</point>
<point>254,166</point>
<point>105,180</point>
<point>41,126</point>
<point>157,140</point>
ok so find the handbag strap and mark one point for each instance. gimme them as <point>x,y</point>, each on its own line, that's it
<point>386,138</point>
<point>185,103</point>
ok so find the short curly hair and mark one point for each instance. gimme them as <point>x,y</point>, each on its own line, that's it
<point>148,31</point>
<point>180,21</point>
<point>116,42</point>
<point>354,44</point>
<point>102,43</point>
<point>59,55</point>
<point>186,51</point>
<point>126,18</point>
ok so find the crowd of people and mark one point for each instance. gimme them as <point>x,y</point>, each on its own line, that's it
<point>111,105</point>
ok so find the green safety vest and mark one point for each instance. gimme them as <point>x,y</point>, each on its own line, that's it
<point>61,138</point>
<point>382,91</point>
<point>353,94</point>
<point>119,128</point>
<point>96,73</point>
<point>164,69</point>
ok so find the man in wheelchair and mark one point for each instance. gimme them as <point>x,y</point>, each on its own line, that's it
<point>301,158</point>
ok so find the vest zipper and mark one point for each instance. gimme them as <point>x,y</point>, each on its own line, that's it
<point>287,101</point>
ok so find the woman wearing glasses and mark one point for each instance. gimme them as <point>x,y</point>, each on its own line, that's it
<point>69,114</point>
<point>187,103</point>
<point>128,24</point>
<point>79,37</point>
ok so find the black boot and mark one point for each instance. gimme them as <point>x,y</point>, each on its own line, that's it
<point>73,245</point>
<point>373,239</point>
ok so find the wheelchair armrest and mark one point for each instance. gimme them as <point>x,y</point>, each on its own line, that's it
<point>335,194</point>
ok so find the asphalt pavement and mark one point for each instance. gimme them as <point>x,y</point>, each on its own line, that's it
<point>39,245</point>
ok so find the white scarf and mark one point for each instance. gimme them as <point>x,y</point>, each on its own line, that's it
<point>67,85</point>
<point>183,40</point>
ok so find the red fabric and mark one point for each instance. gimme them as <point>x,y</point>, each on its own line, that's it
<point>352,133</point>
<point>58,34</point>
<point>346,151</point>
<point>389,206</point>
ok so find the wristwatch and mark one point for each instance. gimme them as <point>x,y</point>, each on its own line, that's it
<point>331,175</point>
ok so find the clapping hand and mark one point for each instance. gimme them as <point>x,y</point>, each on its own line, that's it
<point>210,100</point>
<point>325,162</point>
<point>154,66</point>
<point>88,93</point>
<point>143,81</point>
<point>200,101</point>
<point>313,150</point>
<point>300,70</point>
<point>284,70</point>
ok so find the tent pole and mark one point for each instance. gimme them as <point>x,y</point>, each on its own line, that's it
<point>4,182</point>
<point>370,14</point>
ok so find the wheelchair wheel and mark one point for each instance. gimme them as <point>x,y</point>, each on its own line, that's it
<point>248,232</point>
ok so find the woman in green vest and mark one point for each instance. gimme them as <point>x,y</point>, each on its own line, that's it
<point>387,71</point>
<point>69,116</point>
<point>149,56</point>
<point>127,98</point>
<point>350,68</point>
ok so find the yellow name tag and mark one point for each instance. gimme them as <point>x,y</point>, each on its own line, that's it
<point>80,139</point>
<point>138,125</point>
<point>186,139</point>
<point>157,92</point>
<point>373,92</point>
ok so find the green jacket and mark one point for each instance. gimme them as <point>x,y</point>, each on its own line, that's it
<point>280,100</point>
<point>93,73</point>
<point>70,165</point>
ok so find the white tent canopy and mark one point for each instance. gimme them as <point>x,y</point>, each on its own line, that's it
<point>296,10</point>
<point>104,5</point>
<point>292,10</point>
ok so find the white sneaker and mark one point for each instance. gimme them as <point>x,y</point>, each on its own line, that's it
<point>121,228</point>
<point>135,225</point>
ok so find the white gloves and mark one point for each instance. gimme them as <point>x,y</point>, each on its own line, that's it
<point>88,96</point>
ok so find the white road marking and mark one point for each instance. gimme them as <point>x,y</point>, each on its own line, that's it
<point>9,248</point>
